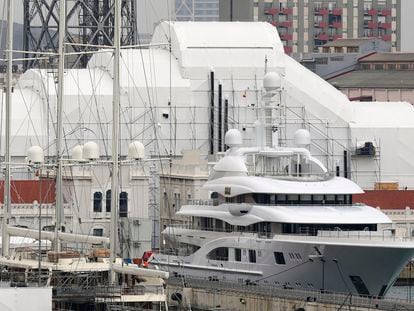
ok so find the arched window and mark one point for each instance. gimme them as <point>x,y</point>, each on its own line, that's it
<point>108,201</point>
<point>123,204</point>
<point>97,202</point>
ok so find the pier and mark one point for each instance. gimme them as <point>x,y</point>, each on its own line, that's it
<point>217,295</point>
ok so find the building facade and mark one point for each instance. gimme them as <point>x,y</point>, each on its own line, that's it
<point>180,185</point>
<point>380,77</point>
<point>306,25</point>
<point>197,10</point>
<point>341,56</point>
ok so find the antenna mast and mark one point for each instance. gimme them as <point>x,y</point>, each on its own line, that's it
<point>7,157</point>
<point>115,134</point>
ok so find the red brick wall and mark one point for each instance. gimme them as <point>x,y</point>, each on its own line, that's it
<point>386,199</point>
<point>27,191</point>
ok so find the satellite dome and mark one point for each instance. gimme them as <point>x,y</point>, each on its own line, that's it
<point>35,155</point>
<point>272,81</point>
<point>302,137</point>
<point>136,150</point>
<point>77,153</point>
<point>91,151</point>
<point>233,138</point>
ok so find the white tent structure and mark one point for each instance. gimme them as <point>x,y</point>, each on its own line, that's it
<point>166,101</point>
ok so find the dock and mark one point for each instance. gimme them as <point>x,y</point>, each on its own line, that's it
<point>202,294</point>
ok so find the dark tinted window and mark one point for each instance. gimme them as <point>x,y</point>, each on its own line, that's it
<point>123,204</point>
<point>279,258</point>
<point>237,254</point>
<point>252,255</point>
<point>97,202</point>
<point>108,201</point>
<point>220,253</point>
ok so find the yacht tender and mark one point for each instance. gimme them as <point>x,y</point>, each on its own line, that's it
<point>297,231</point>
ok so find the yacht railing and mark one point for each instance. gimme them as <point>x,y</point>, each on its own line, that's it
<point>384,235</point>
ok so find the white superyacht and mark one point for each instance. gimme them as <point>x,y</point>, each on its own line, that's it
<point>298,230</point>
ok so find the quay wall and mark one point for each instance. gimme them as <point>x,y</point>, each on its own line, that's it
<point>207,299</point>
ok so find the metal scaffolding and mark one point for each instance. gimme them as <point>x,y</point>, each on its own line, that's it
<point>88,22</point>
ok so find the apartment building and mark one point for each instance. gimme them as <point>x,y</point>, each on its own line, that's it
<point>306,25</point>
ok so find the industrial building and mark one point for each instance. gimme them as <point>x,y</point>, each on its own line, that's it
<point>379,77</point>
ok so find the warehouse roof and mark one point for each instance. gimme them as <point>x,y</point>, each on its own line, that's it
<point>389,57</point>
<point>375,79</point>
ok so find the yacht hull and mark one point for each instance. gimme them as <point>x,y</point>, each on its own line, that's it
<point>361,268</point>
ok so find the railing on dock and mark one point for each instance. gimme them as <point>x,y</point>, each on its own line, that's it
<point>341,299</point>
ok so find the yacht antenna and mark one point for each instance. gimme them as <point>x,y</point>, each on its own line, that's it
<point>7,157</point>
<point>115,129</point>
<point>60,99</point>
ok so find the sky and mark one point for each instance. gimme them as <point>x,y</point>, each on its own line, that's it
<point>407,27</point>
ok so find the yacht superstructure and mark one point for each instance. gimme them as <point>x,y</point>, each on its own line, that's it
<point>295,230</point>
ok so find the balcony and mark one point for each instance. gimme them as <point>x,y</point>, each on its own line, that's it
<point>337,24</point>
<point>386,37</point>
<point>286,37</point>
<point>271,11</point>
<point>372,25</point>
<point>322,36</point>
<point>337,12</point>
<point>286,11</point>
<point>321,11</point>
<point>287,24</point>
<point>384,25</point>
<point>385,12</point>
<point>372,12</point>
<point>336,37</point>
<point>321,24</point>
<point>288,49</point>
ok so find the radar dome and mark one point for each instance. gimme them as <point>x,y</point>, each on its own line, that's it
<point>302,137</point>
<point>35,155</point>
<point>233,138</point>
<point>77,153</point>
<point>272,81</point>
<point>136,150</point>
<point>91,151</point>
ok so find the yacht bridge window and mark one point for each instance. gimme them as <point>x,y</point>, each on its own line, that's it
<point>312,229</point>
<point>301,199</point>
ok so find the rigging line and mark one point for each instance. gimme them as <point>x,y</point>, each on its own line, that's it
<point>149,100</point>
<point>98,112</point>
<point>341,274</point>
<point>74,193</point>
<point>28,117</point>
<point>283,271</point>
<point>94,220</point>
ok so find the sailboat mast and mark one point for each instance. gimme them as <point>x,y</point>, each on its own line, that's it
<point>115,134</point>
<point>59,138</point>
<point>7,157</point>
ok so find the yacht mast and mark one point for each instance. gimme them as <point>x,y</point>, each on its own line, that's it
<point>115,130</point>
<point>7,158</point>
<point>59,138</point>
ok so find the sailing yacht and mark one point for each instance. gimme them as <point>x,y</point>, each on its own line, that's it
<point>89,274</point>
<point>294,227</point>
